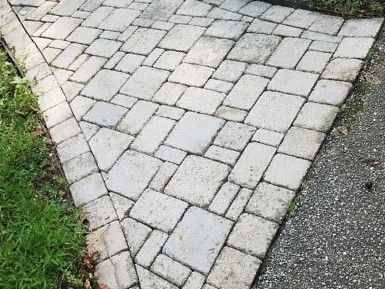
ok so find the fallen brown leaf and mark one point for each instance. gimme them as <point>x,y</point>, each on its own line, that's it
<point>373,79</point>
<point>103,286</point>
<point>373,162</point>
<point>340,130</point>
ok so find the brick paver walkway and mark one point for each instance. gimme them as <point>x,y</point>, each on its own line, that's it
<point>185,127</point>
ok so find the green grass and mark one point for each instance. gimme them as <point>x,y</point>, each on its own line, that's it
<point>41,240</point>
<point>348,8</point>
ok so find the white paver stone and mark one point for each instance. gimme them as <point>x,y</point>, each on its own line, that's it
<point>181,37</point>
<point>330,92</point>
<point>268,137</point>
<point>270,202</point>
<point>234,269</point>
<point>79,167</point>
<point>149,280</point>
<point>88,189</point>
<point>116,142</point>
<point>287,171</point>
<point>150,249</point>
<point>344,69</point>
<point>105,114</point>
<point>170,154</point>
<point>197,239</point>
<point>191,74</point>
<point>223,155</point>
<point>201,100</point>
<point>361,27</point>
<point>195,281</point>
<point>354,47</point>
<point>316,116</point>
<point>223,198</point>
<point>119,19</point>
<point>170,270</point>
<point>197,180</point>
<point>143,41</point>
<point>246,92</point>
<point>103,47</point>
<point>158,210</point>
<point>238,205</point>
<point>121,204</point>
<point>169,60</point>
<point>61,28</point>
<point>131,174</point>
<point>136,234</point>
<point>129,63</point>
<point>296,47</point>
<point>226,29</point>
<point>234,136</point>
<point>314,61</point>
<point>169,93</point>
<point>163,176</point>
<point>230,70</point>
<point>100,212</point>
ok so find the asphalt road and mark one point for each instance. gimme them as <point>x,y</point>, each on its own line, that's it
<point>337,237</point>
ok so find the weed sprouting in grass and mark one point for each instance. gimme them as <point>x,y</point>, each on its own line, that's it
<point>41,240</point>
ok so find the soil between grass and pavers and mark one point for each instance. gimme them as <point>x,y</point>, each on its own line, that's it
<point>41,238</point>
<point>335,237</point>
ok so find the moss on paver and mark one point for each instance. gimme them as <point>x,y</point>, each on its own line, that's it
<point>347,8</point>
<point>41,240</point>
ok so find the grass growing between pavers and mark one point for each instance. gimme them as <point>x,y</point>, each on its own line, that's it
<point>347,8</point>
<point>41,239</point>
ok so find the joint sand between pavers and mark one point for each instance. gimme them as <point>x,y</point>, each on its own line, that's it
<point>185,128</point>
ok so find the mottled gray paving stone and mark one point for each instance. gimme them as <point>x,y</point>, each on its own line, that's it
<point>261,26</point>
<point>223,155</point>
<point>270,202</point>
<point>132,173</point>
<point>170,154</point>
<point>330,92</point>
<point>162,25</point>
<point>296,47</point>
<point>180,19</point>
<point>194,132</point>
<point>147,209</point>
<point>182,37</point>
<point>197,239</point>
<point>143,41</point>
<point>201,100</point>
<point>218,13</point>
<point>288,31</point>
<point>88,129</point>
<point>151,249</point>
<point>316,116</point>
<point>169,93</point>
<point>57,114</point>
<point>268,137</point>
<point>170,112</point>
<point>124,100</point>
<point>254,8</point>
<point>153,134</point>
<point>230,113</point>
<point>103,47</point>
<point>323,46</point>
<point>68,56</point>
<point>79,167</point>
<point>234,269</point>
<point>250,167</point>
<point>161,9</point>
<point>105,114</point>
<point>107,240</point>
<point>97,16</point>
<point>301,142</point>
<point>136,234</point>
<point>169,60</point>
<point>88,189</point>
<point>100,212</point>
<point>361,27</point>
<point>252,234</point>
<point>72,147</point>
<point>197,180</point>
<point>121,204</point>
<point>226,29</point>
<point>275,111</point>
<point>261,70</point>
<point>201,21</point>
<point>219,85</point>
<point>209,51</point>
<point>129,63</point>
<point>230,70</point>
<point>294,82</point>
<point>195,281</point>
<point>105,272</point>
<point>66,7</point>
<point>145,82</point>
<point>88,69</point>
<point>314,61</point>
<point>84,35</point>
<point>119,20</point>
<point>342,69</point>
<point>51,53</point>
<point>149,280</point>
<point>254,48</point>
<point>163,176</point>
<point>234,5</point>
<point>287,171</point>
<point>136,118</point>
<point>276,13</point>
<point>61,28</point>
<point>105,84</point>
<point>354,47</point>
<point>239,203</point>
<point>234,136</point>
<point>246,92</point>
<point>80,105</point>
<point>194,8</point>
<point>301,18</point>
<point>223,198</point>
<point>116,142</point>
<point>170,270</point>
<point>191,74</point>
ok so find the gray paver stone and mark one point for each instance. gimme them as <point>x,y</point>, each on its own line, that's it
<point>88,189</point>
<point>151,249</point>
<point>170,270</point>
<point>136,234</point>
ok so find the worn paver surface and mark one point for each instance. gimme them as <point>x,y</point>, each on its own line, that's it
<point>185,128</point>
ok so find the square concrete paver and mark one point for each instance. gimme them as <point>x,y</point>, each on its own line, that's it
<point>188,125</point>
<point>197,180</point>
<point>197,239</point>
